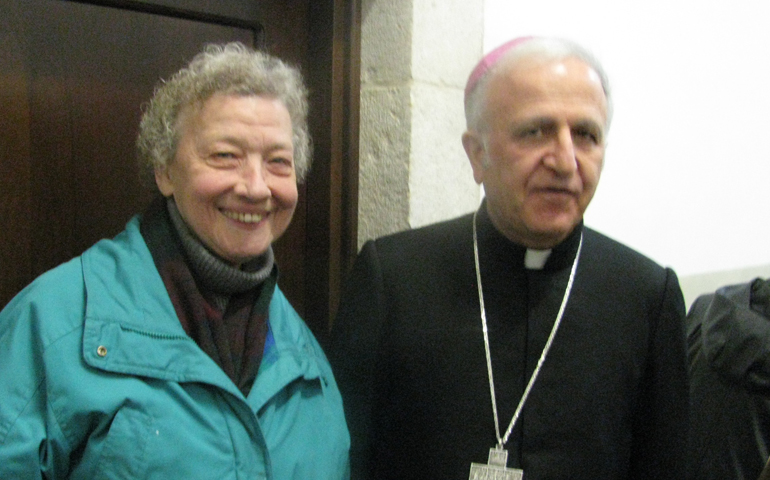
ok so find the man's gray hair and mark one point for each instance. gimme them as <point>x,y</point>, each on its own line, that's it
<point>545,48</point>
<point>229,69</point>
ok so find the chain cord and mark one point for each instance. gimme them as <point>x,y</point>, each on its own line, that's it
<point>501,441</point>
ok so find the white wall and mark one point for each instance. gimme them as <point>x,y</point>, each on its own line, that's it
<point>687,172</point>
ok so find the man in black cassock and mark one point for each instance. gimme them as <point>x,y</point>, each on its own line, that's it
<point>516,341</point>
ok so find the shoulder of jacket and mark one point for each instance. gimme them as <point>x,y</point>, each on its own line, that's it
<point>121,281</point>
<point>51,306</point>
<point>430,239</point>
<point>613,251</point>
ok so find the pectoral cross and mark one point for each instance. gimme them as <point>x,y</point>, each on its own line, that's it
<point>496,468</point>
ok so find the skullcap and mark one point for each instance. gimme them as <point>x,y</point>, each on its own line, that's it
<point>489,61</point>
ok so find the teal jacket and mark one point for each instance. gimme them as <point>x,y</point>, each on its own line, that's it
<point>99,380</point>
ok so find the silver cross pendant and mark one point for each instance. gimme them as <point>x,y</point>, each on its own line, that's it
<point>496,468</point>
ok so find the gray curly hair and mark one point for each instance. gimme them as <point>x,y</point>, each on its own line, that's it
<point>231,68</point>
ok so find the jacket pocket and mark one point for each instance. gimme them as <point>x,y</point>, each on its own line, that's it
<point>123,454</point>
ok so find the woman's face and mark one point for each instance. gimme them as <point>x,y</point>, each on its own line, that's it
<point>233,177</point>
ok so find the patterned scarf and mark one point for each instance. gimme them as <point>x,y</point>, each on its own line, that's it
<point>223,309</point>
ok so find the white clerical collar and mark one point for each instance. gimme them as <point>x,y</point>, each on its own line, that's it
<point>535,259</point>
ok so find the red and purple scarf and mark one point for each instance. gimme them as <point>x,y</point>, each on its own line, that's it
<point>230,326</point>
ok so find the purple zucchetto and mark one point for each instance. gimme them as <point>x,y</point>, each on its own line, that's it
<point>489,60</point>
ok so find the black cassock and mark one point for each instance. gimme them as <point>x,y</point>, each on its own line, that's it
<point>407,350</point>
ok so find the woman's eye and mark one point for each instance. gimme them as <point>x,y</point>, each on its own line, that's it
<point>281,165</point>
<point>281,161</point>
<point>223,159</point>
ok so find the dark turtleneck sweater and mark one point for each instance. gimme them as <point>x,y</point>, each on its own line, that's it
<point>223,308</point>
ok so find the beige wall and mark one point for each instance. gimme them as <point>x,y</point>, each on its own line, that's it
<point>415,58</point>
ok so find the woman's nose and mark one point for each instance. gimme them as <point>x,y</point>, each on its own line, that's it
<point>252,180</point>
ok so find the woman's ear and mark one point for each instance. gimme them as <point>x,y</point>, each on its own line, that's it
<point>164,182</point>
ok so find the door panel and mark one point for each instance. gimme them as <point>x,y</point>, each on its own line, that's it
<point>73,77</point>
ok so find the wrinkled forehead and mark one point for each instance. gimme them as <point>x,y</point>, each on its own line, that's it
<point>564,88</point>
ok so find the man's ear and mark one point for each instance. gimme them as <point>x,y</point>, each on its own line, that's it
<point>474,149</point>
<point>163,180</point>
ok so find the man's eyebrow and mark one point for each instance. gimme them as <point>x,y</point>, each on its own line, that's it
<point>532,121</point>
<point>589,122</point>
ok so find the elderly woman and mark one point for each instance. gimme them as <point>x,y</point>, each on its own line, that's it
<point>169,351</point>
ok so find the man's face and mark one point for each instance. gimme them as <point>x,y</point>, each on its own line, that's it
<point>233,176</point>
<point>541,155</point>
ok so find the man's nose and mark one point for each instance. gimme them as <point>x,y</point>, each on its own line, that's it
<point>252,181</point>
<point>562,159</point>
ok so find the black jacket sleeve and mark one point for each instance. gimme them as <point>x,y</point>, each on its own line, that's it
<point>353,352</point>
<point>663,414</point>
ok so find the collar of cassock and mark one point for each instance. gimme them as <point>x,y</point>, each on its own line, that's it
<point>497,247</point>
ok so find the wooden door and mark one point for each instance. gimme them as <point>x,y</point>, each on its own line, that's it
<point>73,78</point>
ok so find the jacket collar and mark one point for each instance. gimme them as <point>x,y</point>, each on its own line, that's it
<point>290,354</point>
<point>131,327</point>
